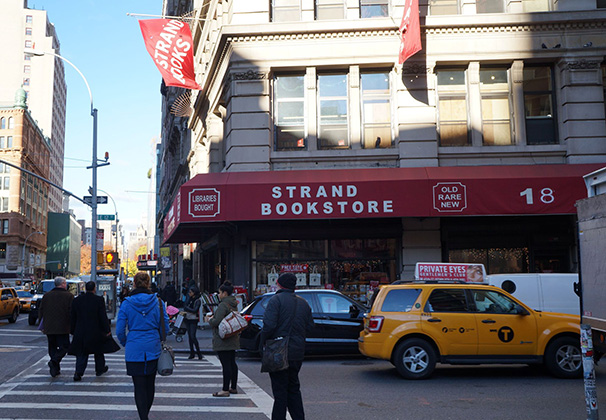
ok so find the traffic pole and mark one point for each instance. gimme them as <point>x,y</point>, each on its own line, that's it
<point>591,396</point>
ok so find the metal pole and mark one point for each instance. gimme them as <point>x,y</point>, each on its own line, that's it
<point>93,247</point>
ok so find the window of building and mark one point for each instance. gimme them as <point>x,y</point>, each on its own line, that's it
<point>9,142</point>
<point>529,6</point>
<point>330,9</point>
<point>496,114</point>
<point>332,112</point>
<point>4,226</point>
<point>452,108</point>
<point>374,8</point>
<point>7,183</point>
<point>3,250</point>
<point>443,7</point>
<point>2,142</point>
<point>285,10</point>
<point>28,43</point>
<point>604,82</point>
<point>29,19</point>
<point>4,203</point>
<point>27,57</point>
<point>490,6</point>
<point>27,68</point>
<point>2,123</point>
<point>376,110</point>
<point>26,81</point>
<point>11,123</point>
<point>538,105</point>
<point>601,4</point>
<point>28,31</point>
<point>289,112</point>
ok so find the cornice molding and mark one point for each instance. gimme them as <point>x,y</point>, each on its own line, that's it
<point>582,65</point>
<point>313,36</point>
<point>514,27</point>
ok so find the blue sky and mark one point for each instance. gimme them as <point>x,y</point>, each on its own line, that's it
<point>107,46</point>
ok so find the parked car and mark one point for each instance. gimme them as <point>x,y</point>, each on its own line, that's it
<point>9,304</point>
<point>338,321</point>
<point>76,286</point>
<point>25,300</point>
<point>417,325</point>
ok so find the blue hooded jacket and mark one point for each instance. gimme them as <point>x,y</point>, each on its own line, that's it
<point>140,312</point>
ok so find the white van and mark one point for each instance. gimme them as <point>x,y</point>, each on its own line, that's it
<point>547,292</point>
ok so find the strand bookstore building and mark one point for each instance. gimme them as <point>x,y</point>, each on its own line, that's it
<point>353,230</point>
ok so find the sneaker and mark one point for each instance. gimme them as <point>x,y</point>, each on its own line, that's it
<point>233,391</point>
<point>54,371</point>
<point>102,371</point>
<point>77,377</point>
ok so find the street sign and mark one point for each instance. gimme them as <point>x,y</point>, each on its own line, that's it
<point>101,199</point>
<point>106,217</point>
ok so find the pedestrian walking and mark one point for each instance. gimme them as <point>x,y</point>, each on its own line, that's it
<point>91,332</point>
<point>283,310</point>
<point>169,293</point>
<point>142,313</point>
<point>54,316</point>
<point>226,347</point>
<point>192,311</point>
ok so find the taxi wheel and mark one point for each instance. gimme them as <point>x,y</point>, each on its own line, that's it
<point>563,358</point>
<point>415,359</point>
<point>14,316</point>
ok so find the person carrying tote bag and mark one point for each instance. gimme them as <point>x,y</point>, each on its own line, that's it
<point>142,314</point>
<point>226,347</point>
<point>287,316</point>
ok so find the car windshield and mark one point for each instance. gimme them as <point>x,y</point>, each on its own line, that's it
<point>45,286</point>
<point>24,293</point>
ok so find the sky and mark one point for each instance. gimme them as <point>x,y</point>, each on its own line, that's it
<point>106,45</point>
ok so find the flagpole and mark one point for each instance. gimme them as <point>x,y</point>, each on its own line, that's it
<point>165,17</point>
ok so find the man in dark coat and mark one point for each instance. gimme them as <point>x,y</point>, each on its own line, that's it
<point>91,330</point>
<point>54,314</point>
<point>169,294</point>
<point>279,315</point>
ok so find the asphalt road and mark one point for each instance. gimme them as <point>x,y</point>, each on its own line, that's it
<point>334,387</point>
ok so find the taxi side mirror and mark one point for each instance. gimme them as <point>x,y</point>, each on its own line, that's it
<point>521,311</point>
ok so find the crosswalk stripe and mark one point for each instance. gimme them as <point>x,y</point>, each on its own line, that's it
<point>126,395</point>
<point>115,407</point>
<point>84,382</point>
<point>109,374</point>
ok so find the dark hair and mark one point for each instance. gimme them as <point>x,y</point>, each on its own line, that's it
<point>227,287</point>
<point>141,280</point>
<point>90,286</point>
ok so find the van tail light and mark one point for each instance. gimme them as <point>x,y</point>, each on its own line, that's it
<point>248,318</point>
<point>375,323</point>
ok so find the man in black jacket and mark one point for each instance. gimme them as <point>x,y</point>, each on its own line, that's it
<point>91,330</point>
<point>279,314</point>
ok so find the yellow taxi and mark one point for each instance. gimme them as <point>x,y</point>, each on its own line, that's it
<point>9,304</point>
<point>416,325</point>
<point>25,300</point>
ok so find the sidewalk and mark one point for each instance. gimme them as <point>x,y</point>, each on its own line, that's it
<point>204,336</point>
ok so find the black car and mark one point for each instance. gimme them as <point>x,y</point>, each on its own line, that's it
<point>338,321</point>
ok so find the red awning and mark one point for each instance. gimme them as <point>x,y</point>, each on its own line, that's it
<point>376,193</point>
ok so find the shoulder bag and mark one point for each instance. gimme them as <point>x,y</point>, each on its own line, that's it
<point>166,361</point>
<point>232,324</point>
<point>275,350</point>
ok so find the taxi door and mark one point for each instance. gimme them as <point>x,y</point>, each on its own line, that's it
<point>449,321</point>
<point>502,330</point>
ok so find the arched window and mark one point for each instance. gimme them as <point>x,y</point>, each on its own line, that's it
<point>2,123</point>
<point>11,123</point>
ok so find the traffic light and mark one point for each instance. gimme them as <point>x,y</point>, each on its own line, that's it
<point>111,258</point>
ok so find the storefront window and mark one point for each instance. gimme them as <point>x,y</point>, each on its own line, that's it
<point>352,266</point>
<point>495,260</point>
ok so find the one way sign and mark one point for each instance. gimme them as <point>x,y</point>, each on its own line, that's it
<point>101,199</point>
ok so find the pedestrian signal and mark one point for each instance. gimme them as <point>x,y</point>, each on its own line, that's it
<point>111,258</point>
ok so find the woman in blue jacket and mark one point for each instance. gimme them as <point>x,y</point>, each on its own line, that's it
<point>141,314</point>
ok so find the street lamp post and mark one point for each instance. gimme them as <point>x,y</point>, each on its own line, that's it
<point>94,165</point>
<point>23,253</point>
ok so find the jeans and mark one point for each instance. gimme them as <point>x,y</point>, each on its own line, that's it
<point>230,368</point>
<point>192,328</point>
<point>82,362</point>
<point>286,388</point>
<point>145,389</point>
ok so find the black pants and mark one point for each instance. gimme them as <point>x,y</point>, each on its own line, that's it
<point>82,362</point>
<point>145,388</point>
<point>286,388</point>
<point>192,328</point>
<point>230,369</point>
<point>57,348</point>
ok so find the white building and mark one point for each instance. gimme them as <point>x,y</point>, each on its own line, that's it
<point>43,78</point>
<point>312,150</point>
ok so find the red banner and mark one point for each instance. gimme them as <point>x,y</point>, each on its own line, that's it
<point>170,45</point>
<point>410,30</point>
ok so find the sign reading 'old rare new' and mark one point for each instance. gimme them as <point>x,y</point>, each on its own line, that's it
<point>170,45</point>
